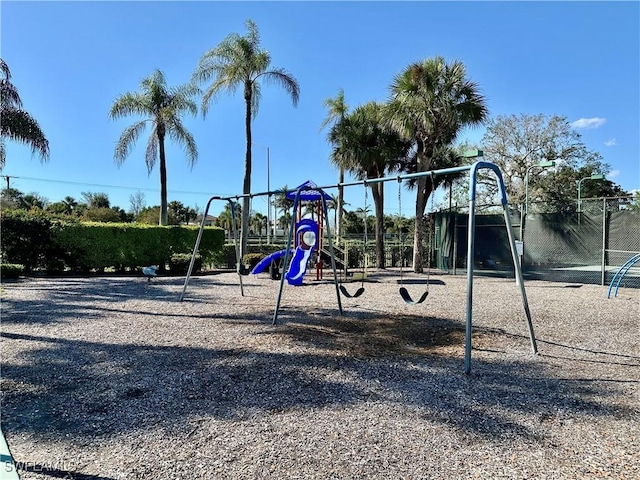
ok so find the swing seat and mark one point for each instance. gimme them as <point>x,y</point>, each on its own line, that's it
<point>404,293</point>
<point>344,291</point>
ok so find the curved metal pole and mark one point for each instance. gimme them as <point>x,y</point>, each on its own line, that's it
<point>289,241</point>
<point>470,264</point>
<point>470,257</point>
<point>235,243</point>
<point>622,271</point>
<point>196,246</point>
<point>331,252</point>
<point>199,238</point>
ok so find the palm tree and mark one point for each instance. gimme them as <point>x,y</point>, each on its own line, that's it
<point>336,112</point>
<point>284,222</point>
<point>241,61</point>
<point>363,147</point>
<point>257,222</point>
<point>282,202</point>
<point>70,204</point>
<point>310,208</point>
<point>224,219</point>
<point>15,123</point>
<point>431,101</point>
<point>163,107</point>
<point>333,205</point>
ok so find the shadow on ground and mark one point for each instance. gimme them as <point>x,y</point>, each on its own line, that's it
<point>79,389</point>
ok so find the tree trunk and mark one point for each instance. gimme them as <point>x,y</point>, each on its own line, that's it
<point>164,215</point>
<point>377,192</point>
<point>424,163</point>
<point>246,185</point>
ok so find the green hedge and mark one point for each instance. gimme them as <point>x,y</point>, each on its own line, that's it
<point>179,263</point>
<point>10,270</point>
<point>26,238</point>
<point>36,241</point>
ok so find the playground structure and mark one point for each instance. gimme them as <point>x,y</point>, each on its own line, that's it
<point>307,189</point>
<point>308,238</point>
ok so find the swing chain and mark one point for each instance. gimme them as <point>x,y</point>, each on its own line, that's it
<point>366,238</point>
<point>400,234</point>
<point>431,227</point>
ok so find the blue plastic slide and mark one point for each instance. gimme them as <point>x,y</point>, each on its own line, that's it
<point>306,241</point>
<point>266,261</point>
<point>307,238</point>
<point>298,262</point>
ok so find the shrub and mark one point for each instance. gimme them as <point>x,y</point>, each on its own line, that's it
<point>26,238</point>
<point>10,270</point>
<point>179,263</point>
<point>106,215</point>
<point>252,259</point>
<point>41,241</point>
<point>55,265</point>
<point>226,257</point>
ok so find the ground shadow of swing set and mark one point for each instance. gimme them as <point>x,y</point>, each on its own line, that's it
<point>307,189</point>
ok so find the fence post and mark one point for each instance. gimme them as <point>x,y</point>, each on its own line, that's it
<point>604,241</point>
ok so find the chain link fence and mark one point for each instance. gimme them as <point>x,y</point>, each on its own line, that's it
<point>587,243</point>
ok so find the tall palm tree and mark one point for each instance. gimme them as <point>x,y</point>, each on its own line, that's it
<point>335,205</point>
<point>163,107</point>
<point>431,101</point>
<point>240,61</point>
<point>365,148</point>
<point>15,123</point>
<point>337,110</point>
<point>280,201</point>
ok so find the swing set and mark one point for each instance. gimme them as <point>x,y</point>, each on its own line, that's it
<point>404,293</point>
<point>360,290</point>
<point>473,173</point>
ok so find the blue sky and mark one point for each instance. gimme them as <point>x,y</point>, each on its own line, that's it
<point>70,60</point>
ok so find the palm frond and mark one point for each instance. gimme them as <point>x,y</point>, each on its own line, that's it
<point>130,103</point>
<point>20,126</point>
<point>181,100</point>
<point>156,80</point>
<point>336,109</point>
<point>180,135</point>
<point>283,78</point>
<point>256,95</point>
<point>9,96</point>
<point>127,141</point>
<point>3,154</point>
<point>221,83</point>
<point>151,152</point>
<point>4,69</point>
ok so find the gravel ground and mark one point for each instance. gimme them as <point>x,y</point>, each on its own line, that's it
<point>114,378</point>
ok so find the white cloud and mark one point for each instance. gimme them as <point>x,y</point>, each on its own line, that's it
<point>594,122</point>
<point>611,143</point>
<point>613,174</point>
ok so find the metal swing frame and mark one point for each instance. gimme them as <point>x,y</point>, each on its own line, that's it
<point>473,173</point>
<point>404,293</point>
<point>234,229</point>
<point>360,290</point>
<point>288,256</point>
